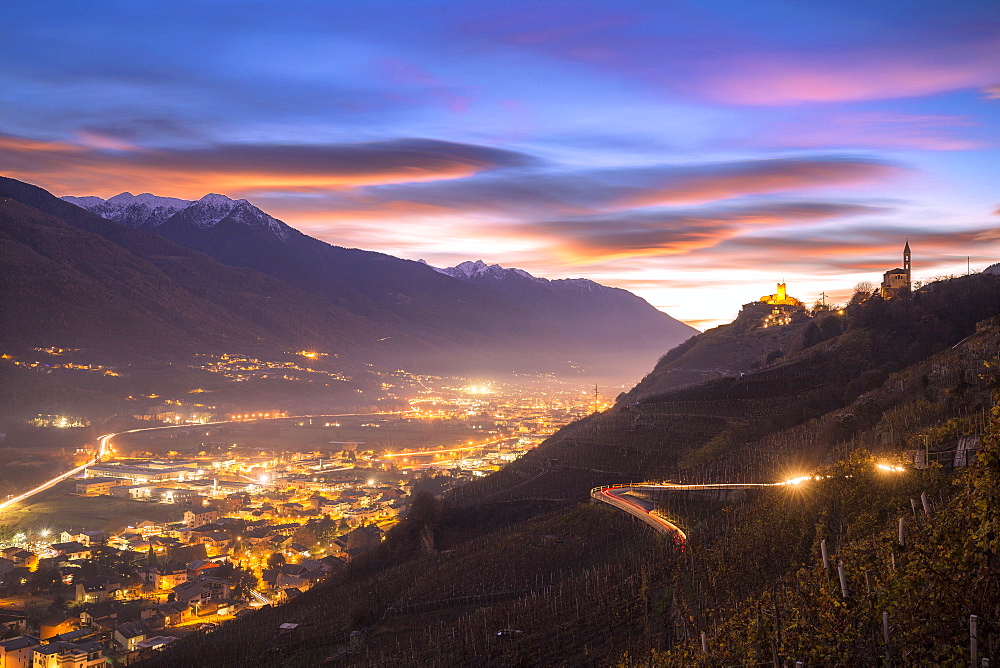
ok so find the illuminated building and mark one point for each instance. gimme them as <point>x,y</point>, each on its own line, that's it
<point>781,297</point>
<point>897,280</point>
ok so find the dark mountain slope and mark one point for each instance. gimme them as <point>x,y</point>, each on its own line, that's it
<point>409,295</point>
<point>596,316</point>
<point>728,350</point>
<point>194,301</point>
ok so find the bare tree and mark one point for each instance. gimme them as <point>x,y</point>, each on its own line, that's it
<point>862,291</point>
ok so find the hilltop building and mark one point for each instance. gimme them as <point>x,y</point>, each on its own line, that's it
<point>897,280</point>
<point>783,307</point>
<point>781,298</point>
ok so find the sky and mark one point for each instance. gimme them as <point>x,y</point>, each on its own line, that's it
<point>694,152</point>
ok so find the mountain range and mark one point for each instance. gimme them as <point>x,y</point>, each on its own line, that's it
<point>220,274</point>
<point>581,309</point>
<point>506,310</point>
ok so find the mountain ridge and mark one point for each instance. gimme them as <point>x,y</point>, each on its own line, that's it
<point>583,310</point>
<point>567,321</point>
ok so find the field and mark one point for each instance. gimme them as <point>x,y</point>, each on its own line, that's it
<point>57,510</point>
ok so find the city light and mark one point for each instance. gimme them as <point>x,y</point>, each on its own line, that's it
<point>890,467</point>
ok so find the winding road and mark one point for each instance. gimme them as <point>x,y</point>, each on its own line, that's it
<point>621,497</point>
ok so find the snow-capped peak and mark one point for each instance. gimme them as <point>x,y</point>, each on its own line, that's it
<point>148,200</point>
<point>215,199</point>
<point>151,211</point>
<point>467,270</point>
<point>84,202</point>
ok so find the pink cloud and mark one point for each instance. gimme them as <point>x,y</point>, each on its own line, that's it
<point>763,177</point>
<point>789,79</point>
<point>88,168</point>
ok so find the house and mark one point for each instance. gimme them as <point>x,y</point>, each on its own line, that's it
<point>216,542</point>
<point>135,492</point>
<point>297,549</point>
<point>175,495</point>
<point>72,550</point>
<point>6,566</point>
<point>284,581</point>
<point>165,576</point>
<point>97,590</point>
<point>129,634</point>
<point>217,587</point>
<point>19,556</point>
<point>12,623</point>
<point>193,594</point>
<point>148,527</point>
<point>17,652</point>
<point>55,624</point>
<point>200,567</point>
<point>88,538</point>
<point>206,515</point>
<point>156,643</point>
<point>97,486</point>
<point>61,654</point>
<point>99,614</point>
<point>78,636</point>
<point>171,614</point>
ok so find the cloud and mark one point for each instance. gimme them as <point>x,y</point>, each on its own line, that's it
<point>790,78</point>
<point>717,182</point>
<point>659,232</point>
<point>536,193</point>
<point>851,248</point>
<point>100,164</point>
<point>992,92</point>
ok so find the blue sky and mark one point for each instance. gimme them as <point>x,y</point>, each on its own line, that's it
<point>693,152</point>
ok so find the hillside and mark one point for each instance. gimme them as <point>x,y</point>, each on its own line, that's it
<point>436,309</point>
<point>71,288</point>
<point>729,350</point>
<point>593,315</point>
<point>522,574</point>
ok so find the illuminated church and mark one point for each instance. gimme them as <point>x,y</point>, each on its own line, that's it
<point>897,280</point>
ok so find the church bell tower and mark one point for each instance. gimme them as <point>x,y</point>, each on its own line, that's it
<point>906,262</point>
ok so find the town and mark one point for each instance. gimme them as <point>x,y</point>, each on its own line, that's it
<point>199,517</point>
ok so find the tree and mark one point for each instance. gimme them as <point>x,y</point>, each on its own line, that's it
<point>862,291</point>
<point>276,560</point>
